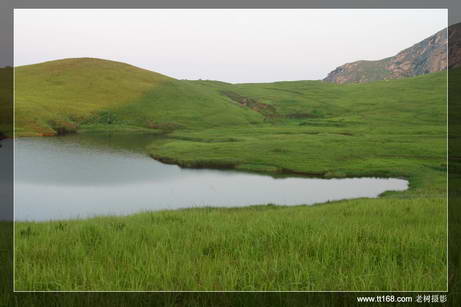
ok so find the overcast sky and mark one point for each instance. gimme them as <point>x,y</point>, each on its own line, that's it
<point>227,45</point>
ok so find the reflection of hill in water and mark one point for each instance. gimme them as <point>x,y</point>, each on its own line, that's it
<point>112,141</point>
<point>88,160</point>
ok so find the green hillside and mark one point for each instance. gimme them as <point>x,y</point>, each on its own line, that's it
<point>64,95</point>
<point>386,128</point>
<point>93,94</point>
<point>418,100</point>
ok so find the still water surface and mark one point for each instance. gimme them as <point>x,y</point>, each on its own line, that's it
<point>81,176</point>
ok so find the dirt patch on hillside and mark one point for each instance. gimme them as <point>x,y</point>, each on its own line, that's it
<point>267,110</point>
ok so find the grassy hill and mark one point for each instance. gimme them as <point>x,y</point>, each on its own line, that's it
<point>398,101</point>
<point>92,94</point>
<point>64,95</point>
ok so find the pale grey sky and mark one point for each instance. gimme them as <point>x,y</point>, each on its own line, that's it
<point>248,45</point>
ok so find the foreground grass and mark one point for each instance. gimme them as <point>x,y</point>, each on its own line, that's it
<point>364,244</point>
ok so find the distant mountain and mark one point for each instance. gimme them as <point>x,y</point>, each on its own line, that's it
<point>427,56</point>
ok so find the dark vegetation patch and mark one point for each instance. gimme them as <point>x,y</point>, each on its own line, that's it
<point>62,127</point>
<point>91,236</point>
<point>103,117</point>
<point>300,115</point>
<point>165,127</point>
<point>118,226</point>
<point>214,164</point>
<point>27,232</point>
<point>440,168</point>
<point>165,219</point>
<point>286,171</point>
<point>61,226</point>
<point>267,110</point>
<point>280,150</point>
<point>325,123</point>
<point>206,140</point>
<point>345,133</point>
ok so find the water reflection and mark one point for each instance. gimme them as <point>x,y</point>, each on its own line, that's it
<point>87,175</point>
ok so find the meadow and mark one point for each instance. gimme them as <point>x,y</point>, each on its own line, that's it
<point>375,244</point>
<point>303,128</point>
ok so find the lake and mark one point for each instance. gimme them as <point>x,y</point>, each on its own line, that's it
<point>79,176</point>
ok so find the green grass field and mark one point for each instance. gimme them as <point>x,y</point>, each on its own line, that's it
<point>379,244</point>
<point>387,128</point>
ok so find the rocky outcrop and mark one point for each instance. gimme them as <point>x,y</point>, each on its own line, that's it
<point>454,46</point>
<point>427,56</point>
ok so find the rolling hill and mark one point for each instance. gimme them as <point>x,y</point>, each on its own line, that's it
<point>64,96</point>
<point>61,96</point>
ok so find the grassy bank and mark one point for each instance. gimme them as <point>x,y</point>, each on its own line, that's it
<point>389,129</point>
<point>378,244</point>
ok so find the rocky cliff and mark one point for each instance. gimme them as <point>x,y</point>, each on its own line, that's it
<point>429,55</point>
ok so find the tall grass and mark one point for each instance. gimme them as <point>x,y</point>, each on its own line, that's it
<point>365,244</point>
